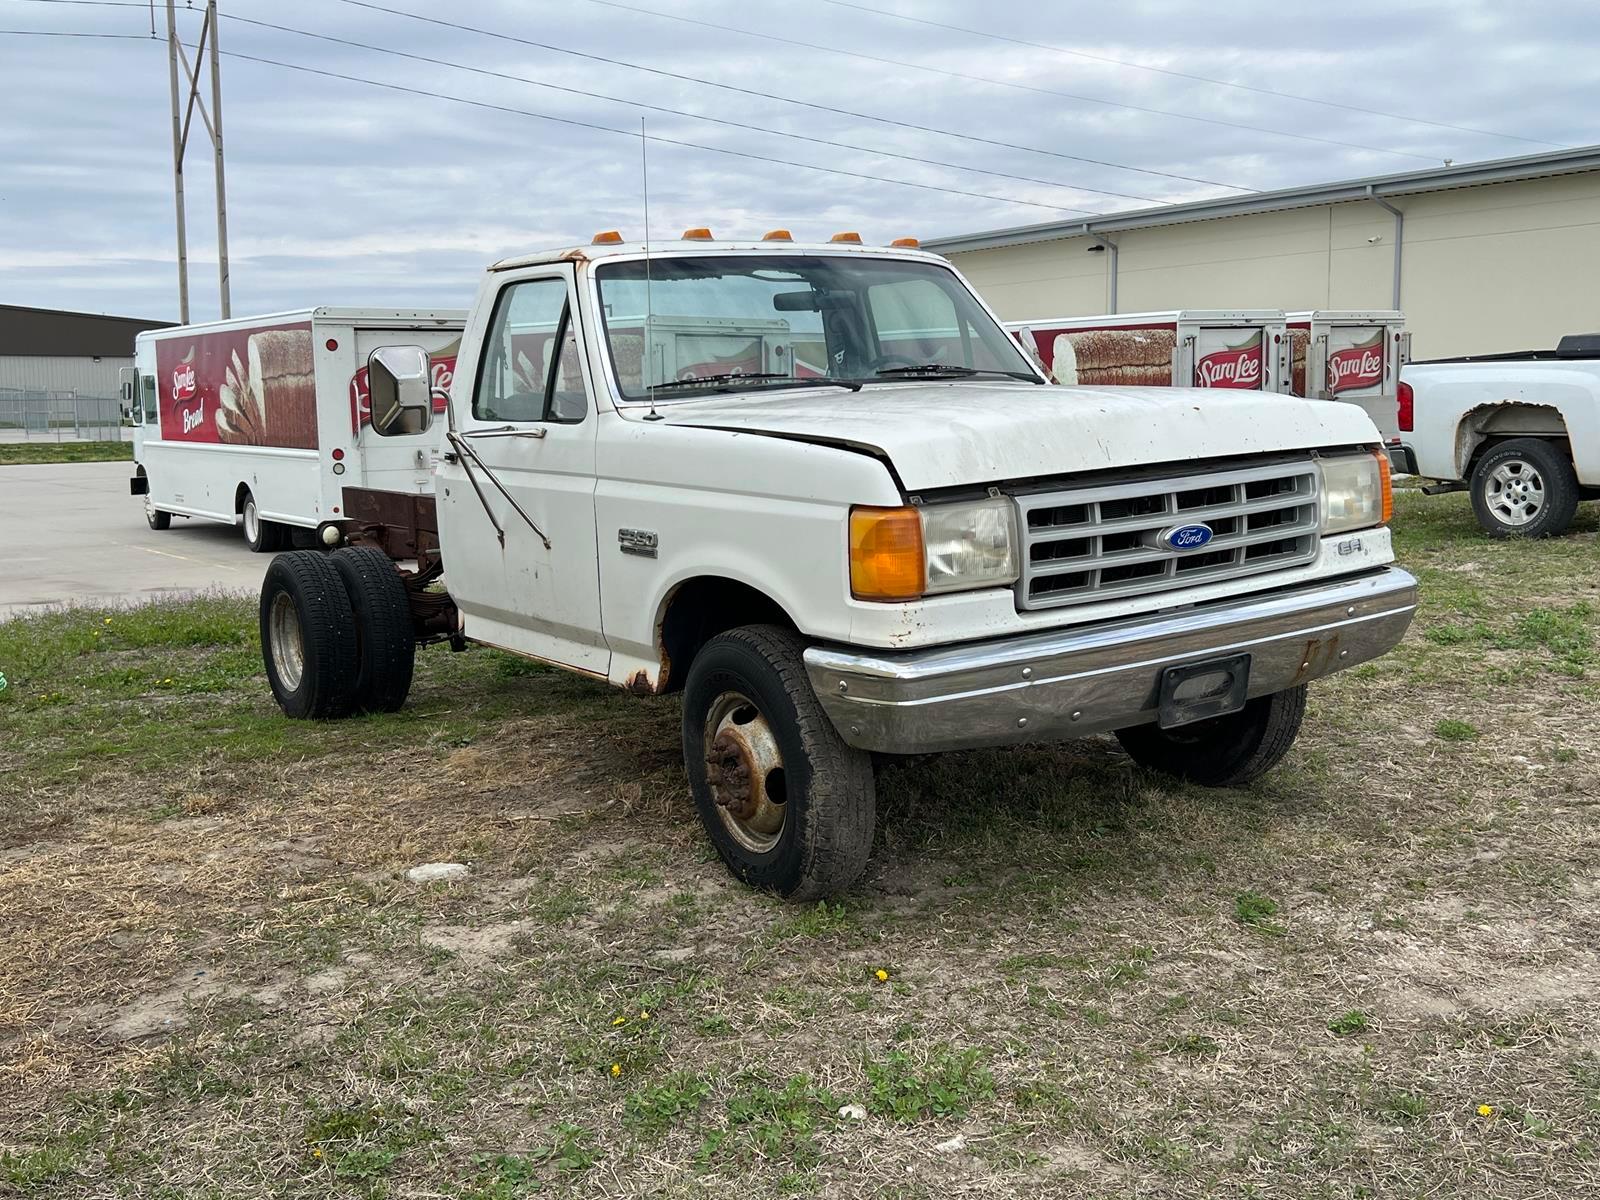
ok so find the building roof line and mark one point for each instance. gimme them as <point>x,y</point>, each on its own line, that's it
<point>1431,179</point>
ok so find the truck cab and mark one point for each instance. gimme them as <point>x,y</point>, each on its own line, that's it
<point>822,492</point>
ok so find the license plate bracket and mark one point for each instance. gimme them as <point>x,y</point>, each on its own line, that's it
<point>1202,690</point>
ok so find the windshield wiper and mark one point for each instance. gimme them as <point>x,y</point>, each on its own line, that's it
<point>731,379</point>
<point>951,371</point>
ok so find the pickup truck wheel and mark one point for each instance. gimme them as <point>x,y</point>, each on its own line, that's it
<point>308,636</point>
<point>154,517</point>
<point>1524,488</point>
<point>1228,751</point>
<point>788,805</point>
<point>386,647</point>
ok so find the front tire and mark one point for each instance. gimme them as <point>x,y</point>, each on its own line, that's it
<point>1222,752</point>
<point>154,517</point>
<point>787,803</point>
<point>1525,487</point>
<point>308,636</point>
<point>387,646</point>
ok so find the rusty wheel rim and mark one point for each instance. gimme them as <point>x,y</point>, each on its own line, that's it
<point>745,772</point>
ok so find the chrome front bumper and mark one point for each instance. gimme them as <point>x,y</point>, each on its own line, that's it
<point>1071,682</point>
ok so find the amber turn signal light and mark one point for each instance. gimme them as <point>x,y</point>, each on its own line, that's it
<point>1387,485</point>
<point>886,557</point>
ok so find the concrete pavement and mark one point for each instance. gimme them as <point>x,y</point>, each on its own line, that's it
<point>71,534</point>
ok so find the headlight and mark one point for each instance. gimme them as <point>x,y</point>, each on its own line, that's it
<point>969,545</point>
<point>1355,492</point>
<point>907,553</point>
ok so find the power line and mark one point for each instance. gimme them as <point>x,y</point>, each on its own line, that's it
<point>445,62</point>
<point>1007,83</point>
<point>843,112</point>
<point>628,133</point>
<point>1244,87</point>
<point>71,33</point>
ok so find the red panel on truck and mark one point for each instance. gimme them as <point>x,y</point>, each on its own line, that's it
<point>252,387</point>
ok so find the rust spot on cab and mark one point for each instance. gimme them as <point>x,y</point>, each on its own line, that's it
<point>640,685</point>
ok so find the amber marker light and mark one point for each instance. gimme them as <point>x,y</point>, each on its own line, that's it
<point>607,237</point>
<point>852,239</point>
<point>886,558</point>
<point>906,243</point>
<point>777,235</point>
<point>1387,485</point>
<point>698,234</point>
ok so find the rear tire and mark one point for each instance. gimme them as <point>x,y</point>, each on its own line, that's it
<point>308,636</point>
<point>263,537</point>
<point>787,803</point>
<point>386,644</point>
<point>1525,487</point>
<point>154,517</point>
<point>1222,752</point>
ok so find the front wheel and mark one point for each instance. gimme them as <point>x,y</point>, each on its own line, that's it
<point>787,803</point>
<point>154,517</point>
<point>1525,487</point>
<point>1228,751</point>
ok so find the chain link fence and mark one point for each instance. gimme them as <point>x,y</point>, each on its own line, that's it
<point>26,415</point>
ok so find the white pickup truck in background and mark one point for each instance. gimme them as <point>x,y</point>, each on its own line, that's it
<point>820,490</point>
<point>1520,431</point>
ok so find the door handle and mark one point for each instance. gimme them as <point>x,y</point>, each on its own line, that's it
<point>530,431</point>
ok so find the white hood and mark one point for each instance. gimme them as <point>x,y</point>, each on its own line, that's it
<point>948,434</point>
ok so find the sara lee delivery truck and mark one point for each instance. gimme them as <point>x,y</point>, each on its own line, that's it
<point>261,422</point>
<point>1349,355</point>
<point>1214,348</point>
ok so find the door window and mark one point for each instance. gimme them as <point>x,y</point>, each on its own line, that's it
<point>531,364</point>
<point>147,398</point>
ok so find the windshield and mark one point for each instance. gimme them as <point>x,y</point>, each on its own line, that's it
<point>724,322</point>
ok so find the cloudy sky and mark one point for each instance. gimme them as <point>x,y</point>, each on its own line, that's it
<point>342,192</point>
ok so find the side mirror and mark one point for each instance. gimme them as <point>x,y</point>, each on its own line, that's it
<point>401,391</point>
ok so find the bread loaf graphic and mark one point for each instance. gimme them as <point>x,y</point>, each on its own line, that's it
<point>1126,357</point>
<point>271,398</point>
<point>1300,344</point>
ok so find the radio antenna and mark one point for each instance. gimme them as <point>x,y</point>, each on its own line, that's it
<point>644,358</point>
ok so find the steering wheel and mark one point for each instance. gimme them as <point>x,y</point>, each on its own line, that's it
<point>894,360</point>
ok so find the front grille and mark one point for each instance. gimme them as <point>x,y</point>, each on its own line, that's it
<point>1101,542</point>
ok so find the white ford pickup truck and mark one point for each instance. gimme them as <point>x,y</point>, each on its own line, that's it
<point>1520,431</point>
<point>821,492</point>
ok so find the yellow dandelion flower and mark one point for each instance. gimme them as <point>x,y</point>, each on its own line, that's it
<point>620,1021</point>
<point>881,975</point>
<point>644,1014</point>
<point>1486,1110</point>
<point>316,1153</point>
<point>616,1069</point>
<point>108,620</point>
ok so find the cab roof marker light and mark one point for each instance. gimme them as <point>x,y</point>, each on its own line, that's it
<point>607,237</point>
<point>906,243</point>
<point>698,234</point>
<point>777,235</point>
<point>853,239</point>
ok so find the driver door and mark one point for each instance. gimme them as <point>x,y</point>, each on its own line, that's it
<point>528,581</point>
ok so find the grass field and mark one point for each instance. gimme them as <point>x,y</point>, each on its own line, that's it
<point>1373,974</point>
<point>15,453</point>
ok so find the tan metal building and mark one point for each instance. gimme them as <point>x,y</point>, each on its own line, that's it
<point>1481,257</point>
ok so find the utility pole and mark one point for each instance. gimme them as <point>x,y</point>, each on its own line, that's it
<point>176,58</point>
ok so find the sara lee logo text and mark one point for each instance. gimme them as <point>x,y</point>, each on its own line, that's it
<point>183,380</point>
<point>1235,367</point>
<point>1355,366</point>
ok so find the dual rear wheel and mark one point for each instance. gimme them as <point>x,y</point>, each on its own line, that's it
<point>336,633</point>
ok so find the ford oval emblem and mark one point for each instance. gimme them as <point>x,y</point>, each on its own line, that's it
<point>1186,537</point>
